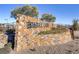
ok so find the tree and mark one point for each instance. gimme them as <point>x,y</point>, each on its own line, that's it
<point>25,10</point>
<point>48,17</point>
<point>75,24</point>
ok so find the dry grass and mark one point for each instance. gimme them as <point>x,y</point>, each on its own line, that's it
<point>53,31</point>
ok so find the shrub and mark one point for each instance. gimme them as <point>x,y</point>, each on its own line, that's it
<point>75,25</point>
<point>10,31</point>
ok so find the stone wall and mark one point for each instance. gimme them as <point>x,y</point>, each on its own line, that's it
<point>3,40</point>
<point>28,38</point>
<point>76,34</point>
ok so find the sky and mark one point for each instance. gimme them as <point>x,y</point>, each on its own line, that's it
<point>64,13</point>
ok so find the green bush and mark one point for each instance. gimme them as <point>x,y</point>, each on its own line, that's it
<point>75,25</point>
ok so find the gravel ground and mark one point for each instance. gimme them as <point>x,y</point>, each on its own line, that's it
<point>5,50</point>
<point>68,48</point>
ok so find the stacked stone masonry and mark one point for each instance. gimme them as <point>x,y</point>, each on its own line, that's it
<point>3,40</point>
<point>27,38</point>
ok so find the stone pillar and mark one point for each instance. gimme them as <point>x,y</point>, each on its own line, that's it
<point>19,33</point>
<point>21,36</point>
<point>50,25</point>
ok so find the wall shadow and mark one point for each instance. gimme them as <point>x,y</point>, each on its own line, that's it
<point>72,33</point>
<point>11,37</point>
